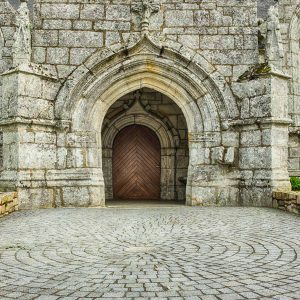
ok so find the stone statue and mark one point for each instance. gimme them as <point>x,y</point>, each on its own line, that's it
<point>146,8</point>
<point>274,47</point>
<point>1,43</point>
<point>22,38</point>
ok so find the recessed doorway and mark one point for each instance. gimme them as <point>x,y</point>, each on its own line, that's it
<point>136,164</point>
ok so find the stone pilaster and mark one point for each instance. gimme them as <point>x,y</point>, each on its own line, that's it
<point>78,178</point>
<point>29,138</point>
<point>211,175</point>
<point>48,164</point>
<point>263,153</point>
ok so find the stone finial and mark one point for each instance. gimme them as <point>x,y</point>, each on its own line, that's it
<point>274,47</point>
<point>145,8</point>
<point>22,38</point>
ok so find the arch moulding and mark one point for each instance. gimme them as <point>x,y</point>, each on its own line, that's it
<point>180,73</point>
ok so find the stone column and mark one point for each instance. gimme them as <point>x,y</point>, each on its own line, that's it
<point>263,155</point>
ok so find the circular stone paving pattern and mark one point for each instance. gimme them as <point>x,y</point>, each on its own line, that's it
<point>150,253</point>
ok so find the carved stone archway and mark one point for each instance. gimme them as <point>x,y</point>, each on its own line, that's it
<point>183,76</point>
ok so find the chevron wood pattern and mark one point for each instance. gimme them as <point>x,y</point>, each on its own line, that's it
<point>136,164</point>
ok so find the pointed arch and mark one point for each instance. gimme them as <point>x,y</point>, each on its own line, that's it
<point>172,69</point>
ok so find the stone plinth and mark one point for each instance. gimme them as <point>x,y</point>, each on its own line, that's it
<point>263,153</point>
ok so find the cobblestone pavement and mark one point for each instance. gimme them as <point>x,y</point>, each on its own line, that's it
<point>150,253</point>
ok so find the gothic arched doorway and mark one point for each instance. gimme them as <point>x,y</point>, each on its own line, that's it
<point>192,140</point>
<point>136,164</point>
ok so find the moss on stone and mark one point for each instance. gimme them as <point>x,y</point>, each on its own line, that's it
<point>255,72</point>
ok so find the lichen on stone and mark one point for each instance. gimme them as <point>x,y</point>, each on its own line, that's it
<point>255,72</point>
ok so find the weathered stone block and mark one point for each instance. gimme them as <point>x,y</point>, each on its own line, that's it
<point>202,18</point>
<point>112,38</point>
<point>34,108</point>
<point>83,25</point>
<point>45,37</point>
<point>45,137</point>
<point>251,138</point>
<point>118,12</point>
<point>59,11</point>
<point>86,39</point>
<point>39,55</point>
<point>57,24</point>
<point>44,156</point>
<point>112,25</point>
<point>255,157</point>
<point>79,55</point>
<point>57,55</point>
<point>175,18</point>
<point>217,42</point>
<point>75,196</point>
<point>260,106</point>
<point>92,11</point>
<point>35,198</point>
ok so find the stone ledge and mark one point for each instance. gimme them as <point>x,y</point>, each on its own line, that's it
<point>8,203</point>
<point>287,201</point>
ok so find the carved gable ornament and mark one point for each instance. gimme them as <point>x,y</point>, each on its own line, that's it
<point>145,8</point>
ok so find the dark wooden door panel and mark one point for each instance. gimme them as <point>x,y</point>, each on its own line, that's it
<point>136,164</point>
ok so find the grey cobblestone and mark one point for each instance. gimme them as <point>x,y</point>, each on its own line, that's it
<point>178,253</point>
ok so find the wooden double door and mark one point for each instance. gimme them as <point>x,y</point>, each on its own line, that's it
<point>136,164</point>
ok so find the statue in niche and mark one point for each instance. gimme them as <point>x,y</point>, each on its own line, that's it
<point>145,9</point>
<point>274,47</point>
<point>22,38</point>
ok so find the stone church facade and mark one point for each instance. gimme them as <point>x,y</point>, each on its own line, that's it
<point>218,86</point>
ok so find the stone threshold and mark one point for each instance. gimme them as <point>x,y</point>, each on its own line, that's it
<point>143,203</point>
